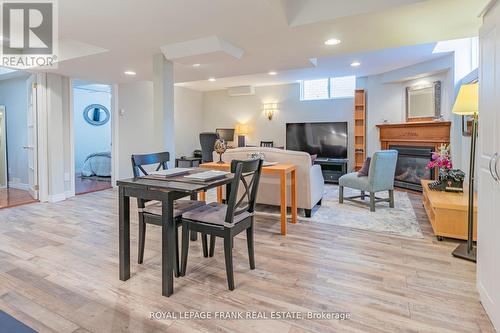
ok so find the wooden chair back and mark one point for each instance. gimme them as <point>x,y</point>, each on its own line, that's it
<point>246,173</point>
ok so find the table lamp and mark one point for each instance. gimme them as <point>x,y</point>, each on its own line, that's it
<point>466,104</point>
<point>241,130</point>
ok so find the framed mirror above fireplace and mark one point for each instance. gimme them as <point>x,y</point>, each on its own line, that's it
<point>423,102</point>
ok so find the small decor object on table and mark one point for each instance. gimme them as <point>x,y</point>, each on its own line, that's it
<point>440,159</point>
<point>220,148</point>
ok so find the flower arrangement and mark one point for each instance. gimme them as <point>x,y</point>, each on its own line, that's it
<point>441,158</point>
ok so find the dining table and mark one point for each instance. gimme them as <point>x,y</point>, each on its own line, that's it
<point>164,189</point>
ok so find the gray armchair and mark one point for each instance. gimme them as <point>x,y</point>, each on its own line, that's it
<point>380,178</point>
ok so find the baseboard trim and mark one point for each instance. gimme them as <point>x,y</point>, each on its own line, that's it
<point>490,307</point>
<point>19,186</point>
<point>69,194</point>
<point>57,197</point>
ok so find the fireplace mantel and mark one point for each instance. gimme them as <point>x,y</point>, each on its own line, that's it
<point>420,134</point>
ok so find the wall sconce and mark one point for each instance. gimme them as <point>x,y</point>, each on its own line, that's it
<point>270,109</point>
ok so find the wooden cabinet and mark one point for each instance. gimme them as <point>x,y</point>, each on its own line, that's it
<point>488,232</point>
<point>447,212</point>
<point>359,128</point>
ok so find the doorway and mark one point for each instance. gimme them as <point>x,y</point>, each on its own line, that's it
<point>18,144</point>
<point>92,136</point>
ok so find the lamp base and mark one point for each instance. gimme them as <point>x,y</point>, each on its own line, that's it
<point>461,252</point>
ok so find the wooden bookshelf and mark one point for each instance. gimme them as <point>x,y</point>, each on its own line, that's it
<point>359,128</point>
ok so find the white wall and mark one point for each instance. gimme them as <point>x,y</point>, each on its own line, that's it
<point>223,111</point>
<point>188,114</point>
<point>136,124</point>
<point>89,138</point>
<point>13,94</point>
<point>386,99</point>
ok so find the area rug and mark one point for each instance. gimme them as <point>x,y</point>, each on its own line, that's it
<point>399,221</point>
<point>9,324</point>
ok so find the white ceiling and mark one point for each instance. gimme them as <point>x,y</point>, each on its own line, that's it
<point>275,35</point>
<point>372,63</point>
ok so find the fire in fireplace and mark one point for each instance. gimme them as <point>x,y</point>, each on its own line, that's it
<point>411,166</point>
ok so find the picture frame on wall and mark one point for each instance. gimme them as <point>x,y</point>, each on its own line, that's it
<point>466,125</point>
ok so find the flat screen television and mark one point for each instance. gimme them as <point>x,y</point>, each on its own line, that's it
<point>226,134</point>
<point>327,140</point>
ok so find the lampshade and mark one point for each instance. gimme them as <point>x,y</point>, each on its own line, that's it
<point>466,103</point>
<point>242,129</point>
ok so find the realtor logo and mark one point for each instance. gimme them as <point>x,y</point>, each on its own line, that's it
<point>28,33</point>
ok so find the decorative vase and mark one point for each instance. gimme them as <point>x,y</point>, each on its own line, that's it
<point>220,148</point>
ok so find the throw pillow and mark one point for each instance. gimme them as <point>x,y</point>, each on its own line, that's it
<point>363,172</point>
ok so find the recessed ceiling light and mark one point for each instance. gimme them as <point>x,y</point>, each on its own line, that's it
<point>355,64</point>
<point>196,65</point>
<point>272,73</point>
<point>332,41</point>
<point>131,73</point>
<point>212,79</point>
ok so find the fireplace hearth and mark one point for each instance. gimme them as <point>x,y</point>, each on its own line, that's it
<point>411,166</point>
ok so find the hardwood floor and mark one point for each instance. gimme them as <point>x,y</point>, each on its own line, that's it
<point>59,273</point>
<point>89,185</point>
<point>10,197</point>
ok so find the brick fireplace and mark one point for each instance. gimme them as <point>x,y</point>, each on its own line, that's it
<point>415,142</point>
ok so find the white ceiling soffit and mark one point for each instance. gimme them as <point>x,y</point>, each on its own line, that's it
<point>300,12</point>
<point>72,49</point>
<point>207,50</point>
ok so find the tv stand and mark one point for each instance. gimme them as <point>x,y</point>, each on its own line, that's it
<point>332,168</point>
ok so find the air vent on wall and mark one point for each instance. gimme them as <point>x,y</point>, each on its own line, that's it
<point>240,91</point>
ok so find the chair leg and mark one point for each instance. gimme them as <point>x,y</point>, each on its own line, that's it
<point>250,242</point>
<point>362,195</point>
<point>142,239</point>
<point>372,201</point>
<point>228,254</point>
<point>308,212</point>
<point>212,246</point>
<point>341,194</point>
<point>185,247</point>
<point>391,198</point>
<point>204,243</point>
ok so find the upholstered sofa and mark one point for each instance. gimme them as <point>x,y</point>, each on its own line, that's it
<point>310,182</point>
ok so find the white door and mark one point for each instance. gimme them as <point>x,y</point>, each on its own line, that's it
<point>31,147</point>
<point>488,252</point>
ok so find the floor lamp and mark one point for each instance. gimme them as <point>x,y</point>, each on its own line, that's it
<point>467,105</point>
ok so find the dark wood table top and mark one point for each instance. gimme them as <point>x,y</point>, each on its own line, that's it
<point>175,183</point>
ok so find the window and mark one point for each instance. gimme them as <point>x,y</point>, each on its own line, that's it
<point>314,89</point>
<point>342,87</point>
<point>328,88</point>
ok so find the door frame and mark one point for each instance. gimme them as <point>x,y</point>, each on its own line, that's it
<point>114,135</point>
<point>3,139</point>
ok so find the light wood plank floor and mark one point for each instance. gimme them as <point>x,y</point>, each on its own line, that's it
<point>59,273</point>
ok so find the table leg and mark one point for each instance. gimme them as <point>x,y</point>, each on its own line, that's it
<point>167,247</point>
<point>194,235</point>
<point>219,194</point>
<point>294,195</point>
<point>202,196</point>
<point>124,234</point>
<point>283,203</point>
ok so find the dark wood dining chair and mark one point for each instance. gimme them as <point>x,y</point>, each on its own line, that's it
<point>150,212</point>
<point>227,221</point>
<point>269,144</point>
